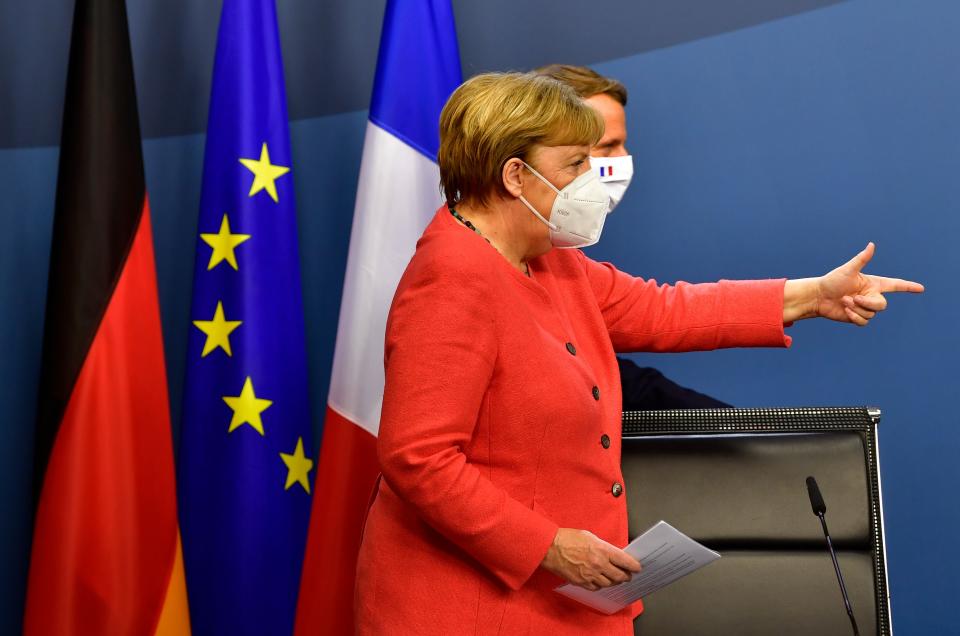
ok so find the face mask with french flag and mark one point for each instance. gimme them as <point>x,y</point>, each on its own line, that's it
<point>615,174</point>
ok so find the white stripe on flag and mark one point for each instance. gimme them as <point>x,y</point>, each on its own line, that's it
<point>397,195</point>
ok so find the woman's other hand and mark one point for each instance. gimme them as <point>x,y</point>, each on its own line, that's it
<point>580,557</point>
<point>846,294</point>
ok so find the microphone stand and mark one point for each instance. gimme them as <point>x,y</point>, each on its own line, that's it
<point>836,567</point>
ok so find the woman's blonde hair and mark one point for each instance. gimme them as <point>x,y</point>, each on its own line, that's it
<point>494,117</point>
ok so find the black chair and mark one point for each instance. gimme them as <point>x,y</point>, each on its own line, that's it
<point>734,479</point>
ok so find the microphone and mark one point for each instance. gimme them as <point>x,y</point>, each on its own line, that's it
<point>819,509</point>
<point>816,499</point>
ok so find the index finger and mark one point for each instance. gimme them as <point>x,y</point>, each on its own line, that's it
<point>898,285</point>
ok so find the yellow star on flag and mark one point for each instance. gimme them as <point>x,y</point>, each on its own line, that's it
<point>218,330</point>
<point>298,465</point>
<point>223,243</point>
<point>265,173</point>
<point>247,408</point>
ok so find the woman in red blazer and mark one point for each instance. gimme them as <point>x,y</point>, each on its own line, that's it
<point>499,437</point>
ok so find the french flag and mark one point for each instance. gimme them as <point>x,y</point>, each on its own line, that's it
<point>418,67</point>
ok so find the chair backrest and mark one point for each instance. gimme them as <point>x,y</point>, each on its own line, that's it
<point>734,479</point>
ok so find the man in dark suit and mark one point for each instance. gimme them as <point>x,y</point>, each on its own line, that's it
<point>644,388</point>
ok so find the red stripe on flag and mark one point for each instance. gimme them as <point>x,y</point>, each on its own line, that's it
<point>346,473</point>
<point>106,526</point>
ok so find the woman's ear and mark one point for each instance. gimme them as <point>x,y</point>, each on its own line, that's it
<point>512,175</point>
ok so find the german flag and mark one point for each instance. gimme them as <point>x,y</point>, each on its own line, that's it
<point>106,548</point>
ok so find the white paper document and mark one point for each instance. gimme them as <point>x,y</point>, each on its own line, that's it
<point>665,555</point>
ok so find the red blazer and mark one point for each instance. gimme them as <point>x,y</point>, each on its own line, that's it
<point>501,423</point>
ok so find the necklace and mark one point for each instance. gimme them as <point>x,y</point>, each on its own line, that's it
<point>469,225</point>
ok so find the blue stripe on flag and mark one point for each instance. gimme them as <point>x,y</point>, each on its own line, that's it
<point>418,67</point>
<point>245,448</point>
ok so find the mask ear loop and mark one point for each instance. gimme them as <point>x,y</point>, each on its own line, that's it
<point>541,177</point>
<point>533,209</point>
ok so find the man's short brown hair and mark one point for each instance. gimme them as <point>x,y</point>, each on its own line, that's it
<point>586,81</point>
<point>494,117</point>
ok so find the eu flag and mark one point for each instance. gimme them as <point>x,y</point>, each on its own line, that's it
<point>245,467</point>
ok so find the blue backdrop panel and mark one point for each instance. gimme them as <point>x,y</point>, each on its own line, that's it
<point>28,178</point>
<point>781,150</point>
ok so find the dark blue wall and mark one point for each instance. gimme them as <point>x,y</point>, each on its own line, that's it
<point>772,138</point>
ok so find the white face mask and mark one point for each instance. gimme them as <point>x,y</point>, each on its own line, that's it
<point>578,212</point>
<point>615,174</point>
